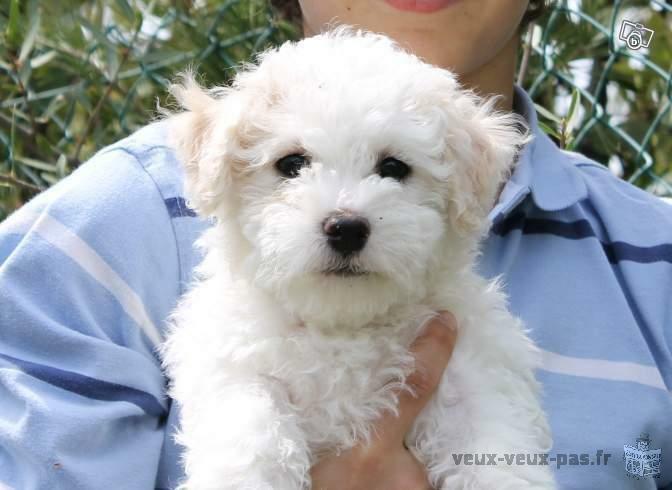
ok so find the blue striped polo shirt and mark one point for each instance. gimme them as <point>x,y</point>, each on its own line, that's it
<point>90,269</point>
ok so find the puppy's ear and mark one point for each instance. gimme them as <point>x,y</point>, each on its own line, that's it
<point>204,136</point>
<point>482,145</point>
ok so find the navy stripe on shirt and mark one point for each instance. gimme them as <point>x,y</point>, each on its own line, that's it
<point>89,387</point>
<point>576,230</point>
<point>177,208</point>
<point>572,230</point>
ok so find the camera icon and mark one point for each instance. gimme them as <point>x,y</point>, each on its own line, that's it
<point>635,35</point>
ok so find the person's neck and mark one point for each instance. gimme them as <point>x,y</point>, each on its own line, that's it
<point>496,77</point>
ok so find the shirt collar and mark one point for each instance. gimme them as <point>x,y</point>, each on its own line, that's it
<point>542,170</point>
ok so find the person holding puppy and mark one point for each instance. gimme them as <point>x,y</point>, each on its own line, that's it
<point>90,269</point>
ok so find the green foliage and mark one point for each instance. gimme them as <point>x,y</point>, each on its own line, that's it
<point>561,128</point>
<point>77,75</point>
<point>624,115</point>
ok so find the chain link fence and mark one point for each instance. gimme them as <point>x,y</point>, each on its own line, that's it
<point>614,57</point>
<point>78,75</point>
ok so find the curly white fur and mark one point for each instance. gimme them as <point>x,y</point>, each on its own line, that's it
<point>275,362</point>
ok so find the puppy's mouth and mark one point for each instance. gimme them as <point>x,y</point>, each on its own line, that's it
<point>345,271</point>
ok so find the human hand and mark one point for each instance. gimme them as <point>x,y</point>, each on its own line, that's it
<point>386,464</point>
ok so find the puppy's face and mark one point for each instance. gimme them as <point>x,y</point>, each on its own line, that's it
<point>348,169</point>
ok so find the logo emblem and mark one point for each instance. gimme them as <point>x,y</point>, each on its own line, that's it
<point>640,460</point>
<point>635,35</point>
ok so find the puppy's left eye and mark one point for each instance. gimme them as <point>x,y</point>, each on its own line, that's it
<point>290,165</point>
<point>391,167</point>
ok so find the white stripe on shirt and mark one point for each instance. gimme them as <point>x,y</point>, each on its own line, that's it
<point>64,239</point>
<point>73,246</point>
<point>601,369</point>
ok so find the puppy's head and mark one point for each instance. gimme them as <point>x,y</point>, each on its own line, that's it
<point>346,170</point>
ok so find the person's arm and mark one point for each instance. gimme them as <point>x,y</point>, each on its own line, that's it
<point>88,272</point>
<point>386,464</point>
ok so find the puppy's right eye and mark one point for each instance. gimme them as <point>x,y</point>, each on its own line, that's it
<point>290,165</point>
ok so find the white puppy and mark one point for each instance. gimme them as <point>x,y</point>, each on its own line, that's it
<point>350,184</point>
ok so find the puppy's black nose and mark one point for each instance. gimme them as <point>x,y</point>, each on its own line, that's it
<point>346,233</point>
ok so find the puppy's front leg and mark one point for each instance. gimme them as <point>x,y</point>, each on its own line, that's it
<point>484,429</point>
<point>242,435</point>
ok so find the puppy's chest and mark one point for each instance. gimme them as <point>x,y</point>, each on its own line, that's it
<point>338,386</point>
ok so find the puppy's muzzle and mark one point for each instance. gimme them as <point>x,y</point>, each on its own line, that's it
<point>346,233</point>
